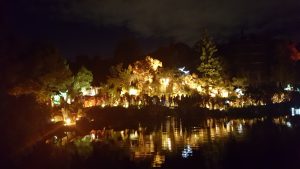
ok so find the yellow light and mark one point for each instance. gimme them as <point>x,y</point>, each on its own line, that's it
<point>126,105</point>
<point>133,91</point>
<point>224,93</point>
<point>165,81</point>
<point>123,92</point>
<point>199,88</point>
<point>154,63</point>
<point>116,103</point>
<point>68,122</point>
<point>213,93</point>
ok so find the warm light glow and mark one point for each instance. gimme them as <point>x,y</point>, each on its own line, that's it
<point>158,160</point>
<point>133,136</point>
<point>126,105</point>
<point>133,92</point>
<point>92,91</point>
<point>147,84</point>
<point>224,93</point>
<point>90,102</point>
<point>213,92</point>
<point>68,122</point>
<point>154,63</point>
<point>165,81</point>
<point>93,136</point>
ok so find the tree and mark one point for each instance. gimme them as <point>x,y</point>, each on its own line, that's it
<point>210,66</point>
<point>83,79</point>
<point>120,78</point>
<point>43,73</point>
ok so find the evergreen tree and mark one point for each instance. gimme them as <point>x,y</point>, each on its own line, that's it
<point>210,66</point>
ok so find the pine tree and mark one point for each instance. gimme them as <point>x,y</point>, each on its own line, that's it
<point>210,66</point>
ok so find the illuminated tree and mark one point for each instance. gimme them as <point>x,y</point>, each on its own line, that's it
<point>119,78</point>
<point>145,73</point>
<point>83,79</point>
<point>210,66</point>
<point>138,79</point>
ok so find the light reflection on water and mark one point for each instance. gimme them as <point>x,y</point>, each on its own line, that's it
<point>173,137</point>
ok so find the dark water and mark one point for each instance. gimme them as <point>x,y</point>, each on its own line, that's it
<point>176,143</point>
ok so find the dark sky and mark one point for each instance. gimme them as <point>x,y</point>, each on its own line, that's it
<point>94,27</point>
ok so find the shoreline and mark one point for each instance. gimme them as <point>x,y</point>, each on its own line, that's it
<point>117,117</point>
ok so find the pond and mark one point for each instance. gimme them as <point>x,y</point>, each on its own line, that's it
<point>180,143</point>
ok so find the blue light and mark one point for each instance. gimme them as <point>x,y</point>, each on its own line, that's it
<point>295,111</point>
<point>187,152</point>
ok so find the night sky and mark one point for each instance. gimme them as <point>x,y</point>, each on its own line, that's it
<point>94,27</point>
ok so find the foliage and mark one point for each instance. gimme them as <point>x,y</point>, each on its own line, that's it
<point>139,75</point>
<point>210,66</point>
<point>45,73</point>
<point>119,79</point>
<point>83,79</point>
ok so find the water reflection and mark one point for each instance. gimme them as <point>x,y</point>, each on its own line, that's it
<point>176,137</point>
